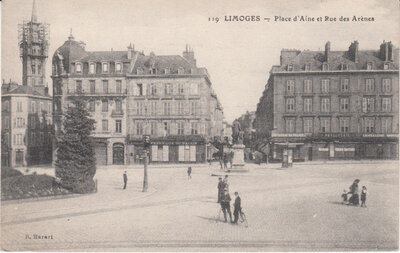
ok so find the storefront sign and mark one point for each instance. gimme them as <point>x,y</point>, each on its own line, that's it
<point>323,149</point>
<point>337,135</point>
<point>288,135</point>
<point>345,149</point>
<point>374,135</point>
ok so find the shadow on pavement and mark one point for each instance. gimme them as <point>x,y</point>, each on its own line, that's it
<point>212,219</point>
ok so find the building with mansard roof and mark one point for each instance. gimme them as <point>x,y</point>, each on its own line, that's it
<point>332,104</point>
<point>131,94</point>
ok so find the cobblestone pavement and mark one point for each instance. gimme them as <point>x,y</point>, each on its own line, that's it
<point>287,209</point>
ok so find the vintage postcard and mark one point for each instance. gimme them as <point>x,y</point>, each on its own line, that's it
<point>203,125</point>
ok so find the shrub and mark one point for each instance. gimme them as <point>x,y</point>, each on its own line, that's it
<point>9,172</point>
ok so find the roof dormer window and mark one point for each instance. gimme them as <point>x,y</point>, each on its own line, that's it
<point>307,67</point>
<point>290,67</point>
<point>105,67</point>
<point>343,66</point>
<point>118,67</point>
<point>154,71</point>
<point>181,71</point>
<point>166,71</point>
<point>325,66</point>
<point>139,71</point>
<point>386,65</point>
<point>78,67</point>
<point>370,66</point>
<point>92,68</point>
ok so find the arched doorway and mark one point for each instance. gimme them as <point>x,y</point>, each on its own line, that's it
<point>118,153</point>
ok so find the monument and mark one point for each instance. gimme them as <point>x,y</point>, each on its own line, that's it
<point>238,164</point>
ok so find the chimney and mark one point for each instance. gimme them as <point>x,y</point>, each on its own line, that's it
<point>327,50</point>
<point>353,51</point>
<point>386,51</point>
<point>188,54</point>
<point>131,51</point>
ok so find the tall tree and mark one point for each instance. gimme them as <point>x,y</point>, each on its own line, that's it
<point>76,162</point>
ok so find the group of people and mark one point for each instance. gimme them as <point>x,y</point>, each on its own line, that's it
<point>224,199</point>
<point>355,198</point>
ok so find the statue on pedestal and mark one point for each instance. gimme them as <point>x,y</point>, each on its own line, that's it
<point>237,133</point>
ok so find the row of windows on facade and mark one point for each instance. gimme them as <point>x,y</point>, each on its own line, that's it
<point>167,108</point>
<point>368,104</point>
<point>78,87</point>
<point>343,66</point>
<point>35,106</point>
<point>344,85</point>
<point>178,128</point>
<point>118,126</point>
<point>105,106</point>
<point>35,139</point>
<point>20,123</point>
<point>36,68</point>
<point>344,125</point>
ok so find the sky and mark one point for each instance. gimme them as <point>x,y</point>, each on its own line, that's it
<point>237,54</point>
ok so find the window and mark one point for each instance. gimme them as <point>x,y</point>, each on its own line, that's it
<point>325,86</point>
<point>118,86</point>
<point>6,106</point>
<point>195,129</point>
<point>33,122</point>
<point>41,107</point>
<point>289,104</point>
<point>194,107</point>
<point>168,89</point>
<point>92,106</point>
<point>167,108</point>
<point>307,67</point>
<point>167,129</point>
<point>118,126</point>
<point>153,89</point>
<point>50,107</point>
<point>181,128</point>
<point>368,104</point>
<point>140,89</point>
<point>307,104</point>
<point>166,71</point>
<point>290,86</point>
<point>33,68</point>
<point>344,104</point>
<point>369,84</point>
<point>118,67</point>
<point>18,139</point>
<point>139,128</point>
<point>153,128</point>
<point>92,68</point>
<point>325,67</point>
<point>118,105</point>
<point>78,68</point>
<point>325,125</point>
<point>78,86</point>
<point>386,125</point>
<point>104,124</point>
<point>369,126</point>
<point>105,86</point>
<point>180,107</point>
<point>139,108</point>
<point>181,71</point>
<point>290,67</point>
<point>33,107</point>
<point>386,104</point>
<point>39,68</point>
<point>104,107</point>
<point>325,104</point>
<point>92,85</point>
<point>154,71</point>
<point>369,66</point>
<point>153,108</point>
<point>307,86</point>
<point>344,84</point>
<point>105,67</point>
<point>343,66</point>
<point>386,85</point>
<point>289,125</point>
<point>307,125</point>
<point>19,106</point>
<point>194,89</point>
<point>181,89</point>
<point>6,122</point>
<point>386,66</point>
<point>344,124</point>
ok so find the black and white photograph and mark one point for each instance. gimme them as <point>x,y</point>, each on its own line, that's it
<point>199,126</point>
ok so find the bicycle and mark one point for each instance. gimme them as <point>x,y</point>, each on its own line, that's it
<point>243,219</point>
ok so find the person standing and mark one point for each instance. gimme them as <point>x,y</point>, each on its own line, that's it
<point>354,199</point>
<point>363,196</point>
<point>189,172</point>
<point>226,205</point>
<point>226,185</point>
<point>237,208</point>
<point>221,186</point>
<point>125,176</point>
<point>225,162</point>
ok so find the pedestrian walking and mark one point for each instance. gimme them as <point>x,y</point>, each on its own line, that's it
<point>220,187</point>
<point>226,205</point>
<point>237,208</point>
<point>363,196</point>
<point>225,162</point>
<point>354,199</point>
<point>226,184</point>
<point>189,172</point>
<point>125,176</point>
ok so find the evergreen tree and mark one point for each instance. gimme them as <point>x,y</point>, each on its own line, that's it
<point>76,162</point>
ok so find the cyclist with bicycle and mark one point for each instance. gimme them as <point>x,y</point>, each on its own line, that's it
<point>237,208</point>
<point>225,204</point>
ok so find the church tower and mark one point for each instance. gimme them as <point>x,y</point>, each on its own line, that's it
<point>33,43</point>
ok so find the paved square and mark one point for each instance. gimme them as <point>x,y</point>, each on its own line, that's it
<point>287,209</point>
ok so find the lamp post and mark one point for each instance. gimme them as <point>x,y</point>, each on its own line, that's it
<point>146,142</point>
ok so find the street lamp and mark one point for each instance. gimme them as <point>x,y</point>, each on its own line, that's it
<point>146,142</point>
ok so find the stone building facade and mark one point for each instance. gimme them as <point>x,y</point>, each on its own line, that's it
<point>332,104</point>
<point>131,95</point>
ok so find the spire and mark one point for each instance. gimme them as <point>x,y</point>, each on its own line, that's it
<point>70,35</point>
<point>34,13</point>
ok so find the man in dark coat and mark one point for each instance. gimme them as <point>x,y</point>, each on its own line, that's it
<point>125,179</point>
<point>221,187</point>
<point>237,208</point>
<point>189,172</point>
<point>225,205</point>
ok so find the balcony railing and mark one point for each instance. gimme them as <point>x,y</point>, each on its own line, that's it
<point>117,113</point>
<point>97,93</point>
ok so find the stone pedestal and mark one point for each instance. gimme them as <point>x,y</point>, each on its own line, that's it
<point>238,159</point>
